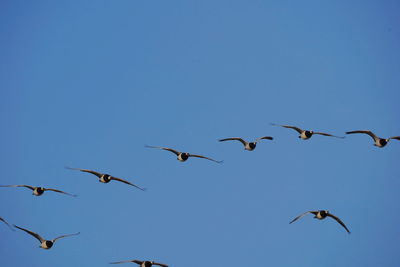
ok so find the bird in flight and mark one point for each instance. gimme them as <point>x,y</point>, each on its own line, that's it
<point>183,156</point>
<point>141,263</point>
<point>106,178</point>
<point>379,142</point>
<point>250,146</point>
<point>320,215</point>
<point>45,244</point>
<point>38,191</point>
<point>305,134</point>
<point>4,221</point>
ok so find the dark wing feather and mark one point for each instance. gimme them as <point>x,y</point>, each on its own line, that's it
<point>19,185</point>
<point>302,215</point>
<point>234,138</point>
<point>339,221</point>
<point>37,236</point>
<point>165,148</point>
<point>290,127</point>
<point>326,134</point>
<point>59,191</point>
<point>118,262</point>
<point>203,157</point>
<point>365,132</point>
<point>395,137</point>
<point>62,236</point>
<point>265,137</point>
<point>126,182</point>
<point>98,174</point>
<point>160,264</point>
<point>1,219</point>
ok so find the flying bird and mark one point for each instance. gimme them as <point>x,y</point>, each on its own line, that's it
<point>305,134</point>
<point>183,156</point>
<point>106,178</point>
<point>45,244</point>
<point>141,263</point>
<point>379,142</point>
<point>38,191</point>
<point>320,215</point>
<point>4,221</point>
<point>250,146</point>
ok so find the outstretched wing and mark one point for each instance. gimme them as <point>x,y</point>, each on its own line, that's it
<point>203,157</point>
<point>98,174</point>
<point>395,137</point>
<point>126,182</point>
<point>265,137</point>
<point>19,185</point>
<point>37,236</point>
<point>55,239</point>
<point>234,138</point>
<point>59,191</point>
<point>165,148</point>
<point>339,221</point>
<point>302,215</point>
<point>365,132</point>
<point>160,264</point>
<point>290,127</point>
<point>1,219</point>
<point>326,134</point>
<point>135,261</point>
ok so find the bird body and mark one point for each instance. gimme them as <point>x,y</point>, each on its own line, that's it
<point>305,134</point>
<point>183,156</point>
<point>45,244</point>
<point>378,141</point>
<point>320,215</point>
<point>249,146</point>
<point>38,190</point>
<point>141,263</point>
<point>106,178</point>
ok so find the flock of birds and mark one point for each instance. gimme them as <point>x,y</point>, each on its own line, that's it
<point>183,156</point>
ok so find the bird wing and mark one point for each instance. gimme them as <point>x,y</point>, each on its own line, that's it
<point>1,219</point>
<point>234,138</point>
<point>135,261</point>
<point>326,134</point>
<point>31,233</point>
<point>203,157</point>
<point>290,127</point>
<point>339,221</point>
<point>265,137</point>
<point>59,191</point>
<point>301,215</point>
<point>395,137</point>
<point>160,264</point>
<point>19,185</point>
<point>62,236</point>
<point>126,182</point>
<point>165,148</point>
<point>98,174</point>
<point>365,132</point>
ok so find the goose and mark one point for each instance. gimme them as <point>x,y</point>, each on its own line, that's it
<point>106,178</point>
<point>250,146</point>
<point>183,156</point>
<point>45,244</point>
<point>379,142</point>
<point>4,221</point>
<point>141,263</point>
<point>305,134</point>
<point>37,190</point>
<point>320,215</point>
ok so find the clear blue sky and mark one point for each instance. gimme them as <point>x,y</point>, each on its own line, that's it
<point>87,84</point>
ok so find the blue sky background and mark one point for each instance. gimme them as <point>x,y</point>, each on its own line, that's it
<point>87,84</point>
